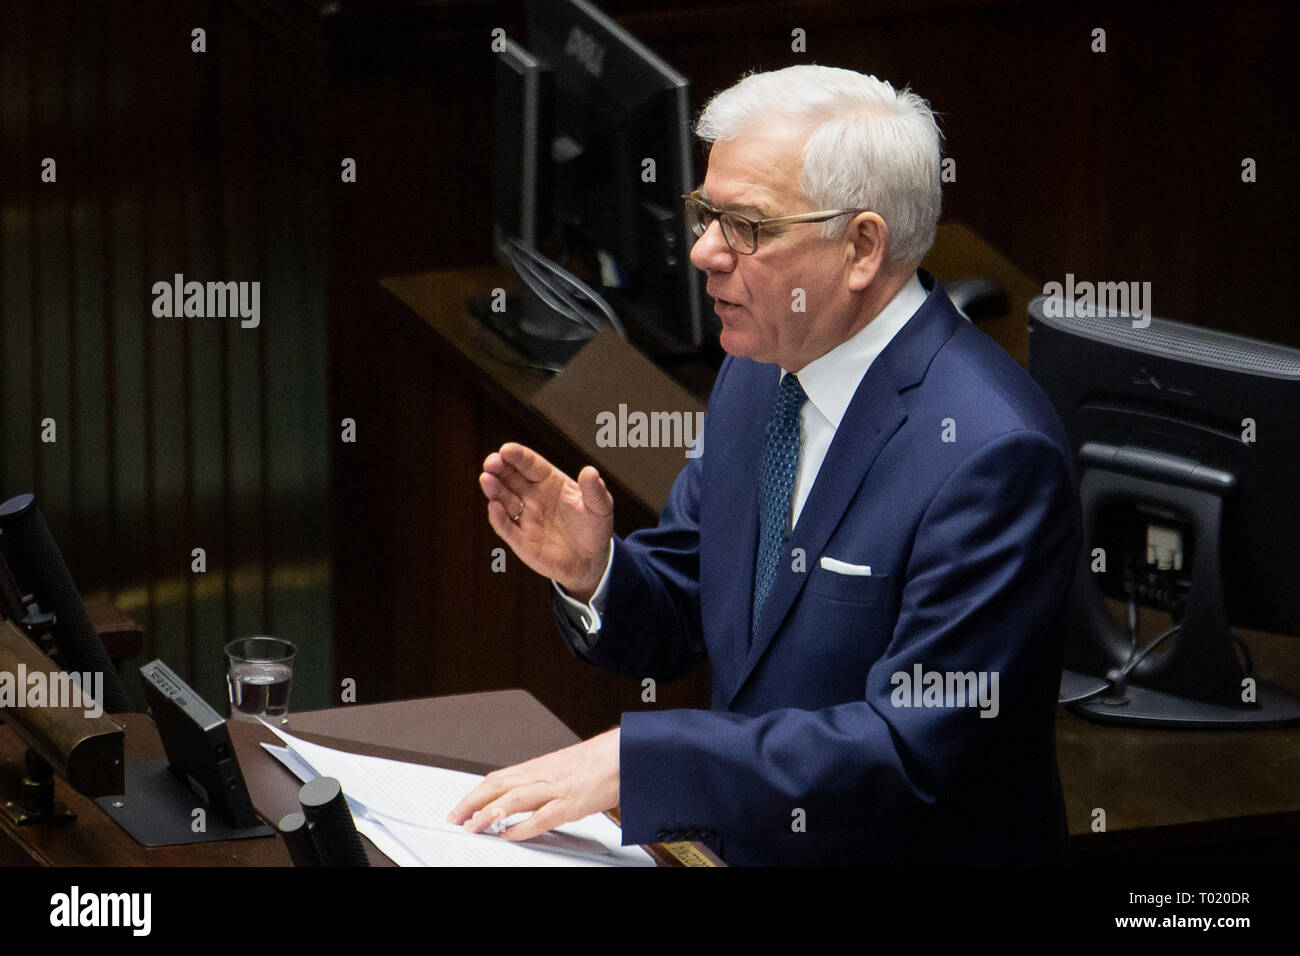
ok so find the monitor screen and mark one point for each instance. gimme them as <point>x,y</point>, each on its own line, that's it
<point>619,159</point>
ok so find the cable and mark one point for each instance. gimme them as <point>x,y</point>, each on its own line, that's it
<point>1117,679</point>
<point>559,289</point>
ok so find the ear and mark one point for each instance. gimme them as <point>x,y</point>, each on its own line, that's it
<point>870,237</point>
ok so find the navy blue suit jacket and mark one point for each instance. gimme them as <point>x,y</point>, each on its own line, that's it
<point>951,477</point>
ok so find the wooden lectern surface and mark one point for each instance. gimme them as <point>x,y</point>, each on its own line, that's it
<point>472,732</point>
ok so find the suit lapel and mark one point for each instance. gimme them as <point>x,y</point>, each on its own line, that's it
<point>875,414</point>
<point>870,421</point>
<point>733,517</point>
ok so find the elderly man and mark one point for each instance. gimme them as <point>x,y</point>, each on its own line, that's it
<point>873,551</point>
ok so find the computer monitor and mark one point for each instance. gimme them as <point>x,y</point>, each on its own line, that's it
<point>1189,474</point>
<point>603,202</point>
<point>521,181</point>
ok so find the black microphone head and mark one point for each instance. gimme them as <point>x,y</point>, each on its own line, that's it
<point>291,822</point>
<point>316,795</point>
<point>326,809</point>
<point>297,836</point>
<point>16,505</point>
<point>34,546</point>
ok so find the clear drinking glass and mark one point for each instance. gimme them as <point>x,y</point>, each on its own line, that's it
<point>259,672</point>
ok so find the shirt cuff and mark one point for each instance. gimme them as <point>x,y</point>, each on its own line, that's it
<point>587,616</point>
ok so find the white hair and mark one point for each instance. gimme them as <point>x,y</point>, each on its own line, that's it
<point>870,147</point>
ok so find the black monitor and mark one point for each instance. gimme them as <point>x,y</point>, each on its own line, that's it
<point>1188,455</point>
<point>599,197</point>
<point>521,181</point>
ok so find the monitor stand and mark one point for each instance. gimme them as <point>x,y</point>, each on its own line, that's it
<point>535,332</point>
<point>1142,706</point>
<point>1198,680</point>
<point>158,809</point>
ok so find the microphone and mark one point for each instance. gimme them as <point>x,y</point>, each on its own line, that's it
<point>297,837</point>
<point>330,822</point>
<point>34,548</point>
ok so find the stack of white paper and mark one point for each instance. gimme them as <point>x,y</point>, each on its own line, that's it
<point>403,807</point>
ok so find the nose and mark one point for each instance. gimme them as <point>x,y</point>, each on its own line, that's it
<point>711,252</point>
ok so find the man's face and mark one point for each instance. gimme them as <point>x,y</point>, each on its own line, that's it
<point>757,175</point>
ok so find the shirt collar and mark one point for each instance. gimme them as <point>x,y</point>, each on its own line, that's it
<point>831,380</point>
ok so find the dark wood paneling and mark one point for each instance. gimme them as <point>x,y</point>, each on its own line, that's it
<point>173,433</point>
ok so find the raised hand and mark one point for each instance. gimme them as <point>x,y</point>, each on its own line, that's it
<point>559,527</point>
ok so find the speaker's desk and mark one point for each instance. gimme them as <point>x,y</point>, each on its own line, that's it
<point>471,732</point>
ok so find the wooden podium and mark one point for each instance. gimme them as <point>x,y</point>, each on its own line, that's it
<point>471,732</point>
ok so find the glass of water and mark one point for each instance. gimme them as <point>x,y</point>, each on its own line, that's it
<point>259,671</point>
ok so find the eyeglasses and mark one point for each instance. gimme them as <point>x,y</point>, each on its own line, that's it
<point>740,231</point>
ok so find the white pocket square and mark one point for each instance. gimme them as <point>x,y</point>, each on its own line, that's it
<point>843,567</point>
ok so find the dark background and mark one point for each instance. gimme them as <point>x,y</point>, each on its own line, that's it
<point>225,165</point>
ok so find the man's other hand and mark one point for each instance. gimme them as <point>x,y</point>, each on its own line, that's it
<point>558,788</point>
<point>559,527</point>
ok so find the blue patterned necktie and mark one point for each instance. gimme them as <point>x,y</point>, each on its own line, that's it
<point>775,487</point>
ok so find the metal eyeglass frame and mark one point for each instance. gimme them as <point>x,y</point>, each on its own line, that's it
<point>700,227</point>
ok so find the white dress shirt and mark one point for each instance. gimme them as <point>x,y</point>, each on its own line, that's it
<point>830,383</point>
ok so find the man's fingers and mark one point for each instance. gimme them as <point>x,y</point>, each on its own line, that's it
<point>556,788</point>
<point>473,801</point>
<point>547,817</point>
<point>519,799</point>
<point>595,495</point>
<point>527,462</point>
<point>496,491</point>
<point>506,475</point>
<point>506,529</point>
